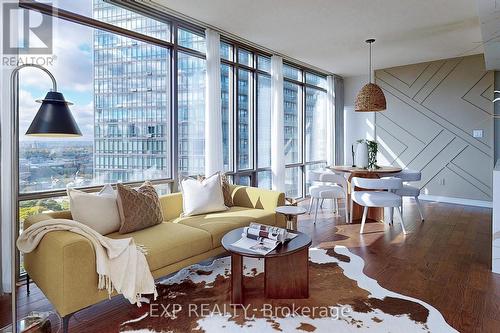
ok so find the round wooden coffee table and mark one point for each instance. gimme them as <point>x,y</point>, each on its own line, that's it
<point>286,271</point>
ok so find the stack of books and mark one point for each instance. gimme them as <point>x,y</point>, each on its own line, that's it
<point>262,239</point>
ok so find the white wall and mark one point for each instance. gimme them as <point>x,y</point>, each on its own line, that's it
<point>358,125</point>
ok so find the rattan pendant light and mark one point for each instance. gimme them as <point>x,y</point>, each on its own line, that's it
<point>370,98</point>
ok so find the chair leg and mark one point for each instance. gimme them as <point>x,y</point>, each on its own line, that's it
<point>27,284</point>
<point>419,209</point>
<point>401,219</point>
<point>322,200</point>
<point>346,212</point>
<point>310,205</point>
<point>365,212</point>
<point>316,211</point>
<point>391,215</point>
<point>351,205</point>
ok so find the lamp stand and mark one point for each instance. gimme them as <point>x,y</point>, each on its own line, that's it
<point>14,106</point>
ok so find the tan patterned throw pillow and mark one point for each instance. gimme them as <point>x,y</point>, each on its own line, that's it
<point>139,209</point>
<point>226,190</point>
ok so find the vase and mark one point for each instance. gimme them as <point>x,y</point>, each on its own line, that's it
<point>361,160</point>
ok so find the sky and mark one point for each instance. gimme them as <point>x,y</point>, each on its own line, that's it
<point>72,68</point>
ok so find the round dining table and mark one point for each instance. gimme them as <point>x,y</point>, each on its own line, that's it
<point>374,213</point>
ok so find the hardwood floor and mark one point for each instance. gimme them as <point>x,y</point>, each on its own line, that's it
<point>443,261</point>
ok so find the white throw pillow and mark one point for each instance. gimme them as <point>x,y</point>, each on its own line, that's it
<point>98,211</point>
<point>201,197</point>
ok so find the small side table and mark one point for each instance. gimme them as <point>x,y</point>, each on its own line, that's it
<point>290,212</point>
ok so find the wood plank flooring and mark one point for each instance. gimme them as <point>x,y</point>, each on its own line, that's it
<point>443,261</point>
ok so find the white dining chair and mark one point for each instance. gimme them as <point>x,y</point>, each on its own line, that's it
<point>372,192</point>
<point>331,186</point>
<point>408,190</point>
<point>314,177</point>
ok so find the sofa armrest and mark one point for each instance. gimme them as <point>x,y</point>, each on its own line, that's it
<point>63,266</point>
<point>253,197</point>
<point>30,220</point>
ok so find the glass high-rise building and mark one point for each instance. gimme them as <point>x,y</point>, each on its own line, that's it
<point>131,89</point>
<point>131,109</point>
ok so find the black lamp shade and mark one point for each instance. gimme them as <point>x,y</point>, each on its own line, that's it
<point>54,119</point>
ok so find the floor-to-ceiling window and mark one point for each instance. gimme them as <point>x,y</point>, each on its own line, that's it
<point>246,114</point>
<point>292,108</point>
<point>263,131</point>
<point>315,123</point>
<point>244,117</point>
<point>305,126</point>
<point>120,91</point>
<point>191,70</point>
<point>305,120</point>
<point>227,103</point>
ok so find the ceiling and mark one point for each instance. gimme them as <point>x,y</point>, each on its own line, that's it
<point>489,16</point>
<point>330,34</point>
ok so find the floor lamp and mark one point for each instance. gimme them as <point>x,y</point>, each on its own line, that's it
<point>53,119</point>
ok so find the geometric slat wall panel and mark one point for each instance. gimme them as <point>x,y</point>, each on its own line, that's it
<point>432,109</point>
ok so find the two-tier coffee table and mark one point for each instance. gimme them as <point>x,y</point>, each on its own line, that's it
<point>286,269</point>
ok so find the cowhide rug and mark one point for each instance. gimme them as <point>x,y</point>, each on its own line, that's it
<point>342,299</point>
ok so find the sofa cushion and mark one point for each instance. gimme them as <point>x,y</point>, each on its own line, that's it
<point>98,211</point>
<point>139,208</point>
<point>227,191</point>
<point>168,243</point>
<point>202,196</point>
<point>218,224</point>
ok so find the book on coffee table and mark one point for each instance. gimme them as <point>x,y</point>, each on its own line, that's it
<point>262,239</point>
<point>275,233</point>
<point>258,246</point>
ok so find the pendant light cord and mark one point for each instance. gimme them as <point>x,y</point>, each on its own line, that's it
<point>370,67</point>
<point>370,42</point>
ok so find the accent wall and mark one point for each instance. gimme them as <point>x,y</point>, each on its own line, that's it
<point>439,121</point>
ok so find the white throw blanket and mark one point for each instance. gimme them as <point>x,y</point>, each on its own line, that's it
<point>121,264</point>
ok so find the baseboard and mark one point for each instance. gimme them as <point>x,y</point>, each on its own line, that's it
<point>458,201</point>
